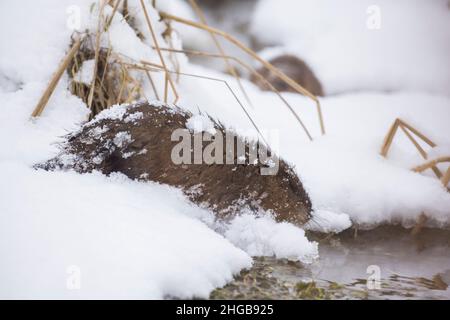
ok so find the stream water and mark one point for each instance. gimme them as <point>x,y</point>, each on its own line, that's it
<point>385,263</point>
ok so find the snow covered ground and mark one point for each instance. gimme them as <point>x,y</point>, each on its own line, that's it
<point>135,240</point>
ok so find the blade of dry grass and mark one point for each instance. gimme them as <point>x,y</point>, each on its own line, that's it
<point>414,142</point>
<point>422,152</point>
<point>406,128</point>
<point>419,134</point>
<point>152,83</point>
<point>419,224</point>
<point>389,138</point>
<point>55,79</point>
<point>446,178</point>
<point>429,164</point>
<point>116,6</point>
<point>97,52</point>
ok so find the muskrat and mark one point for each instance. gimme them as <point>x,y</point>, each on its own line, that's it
<point>293,67</point>
<point>136,140</point>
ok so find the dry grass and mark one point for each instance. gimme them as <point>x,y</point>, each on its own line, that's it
<point>410,132</point>
<point>290,82</point>
<point>445,179</point>
<point>153,67</point>
<point>114,83</point>
<point>118,79</point>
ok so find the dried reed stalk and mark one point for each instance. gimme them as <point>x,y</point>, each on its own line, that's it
<point>55,79</point>
<point>167,35</point>
<point>420,224</point>
<point>149,66</point>
<point>253,54</point>
<point>249,69</point>
<point>116,6</point>
<point>418,133</point>
<point>389,138</point>
<point>97,52</point>
<point>446,178</point>
<point>219,47</point>
<point>398,123</point>
<point>430,164</point>
<point>152,83</point>
<point>163,63</point>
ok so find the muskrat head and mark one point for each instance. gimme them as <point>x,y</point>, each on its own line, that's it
<point>285,196</point>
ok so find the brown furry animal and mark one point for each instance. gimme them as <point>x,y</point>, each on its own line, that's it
<point>136,141</point>
<point>293,67</point>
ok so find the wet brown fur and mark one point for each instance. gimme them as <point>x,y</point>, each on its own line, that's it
<point>224,188</point>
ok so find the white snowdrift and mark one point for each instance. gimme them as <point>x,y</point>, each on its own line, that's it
<point>129,239</point>
<point>409,51</point>
<point>262,236</point>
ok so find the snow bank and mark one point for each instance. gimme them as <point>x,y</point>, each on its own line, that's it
<point>342,43</point>
<point>262,236</point>
<point>128,239</point>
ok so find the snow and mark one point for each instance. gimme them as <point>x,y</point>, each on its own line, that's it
<point>126,242</point>
<point>142,240</point>
<point>122,139</point>
<point>86,72</point>
<point>343,170</point>
<point>328,221</point>
<point>348,52</point>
